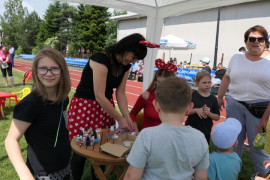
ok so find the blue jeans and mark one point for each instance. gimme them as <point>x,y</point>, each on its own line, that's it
<point>250,129</point>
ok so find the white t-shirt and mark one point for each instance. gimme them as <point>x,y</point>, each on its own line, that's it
<point>11,50</point>
<point>169,152</point>
<point>249,80</point>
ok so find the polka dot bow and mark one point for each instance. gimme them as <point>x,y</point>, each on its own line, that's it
<point>169,66</point>
<point>149,44</point>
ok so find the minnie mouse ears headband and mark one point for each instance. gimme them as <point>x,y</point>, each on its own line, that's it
<point>169,66</point>
<point>149,44</point>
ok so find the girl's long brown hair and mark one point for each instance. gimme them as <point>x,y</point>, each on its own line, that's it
<point>64,84</point>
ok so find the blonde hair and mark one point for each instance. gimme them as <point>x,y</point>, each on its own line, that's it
<point>159,73</point>
<point>201,75</point>
<point>173,95</point>
<point>64,85</point>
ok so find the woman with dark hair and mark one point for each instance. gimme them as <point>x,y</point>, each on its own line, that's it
<point>247,77</point>
<point>145,100</point>
<point>92,105</point>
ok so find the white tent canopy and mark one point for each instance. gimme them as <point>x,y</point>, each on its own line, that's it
<point>173,42</point>
<point>156,11</point>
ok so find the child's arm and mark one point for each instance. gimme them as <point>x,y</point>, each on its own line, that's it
<point>139,105</point>
<point>200,174</point>
<point>213,116</point>
<point>16,131</point>
<point>133,173</point>
<point>199,111</point>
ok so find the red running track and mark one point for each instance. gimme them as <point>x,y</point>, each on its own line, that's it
<point>133,89</point>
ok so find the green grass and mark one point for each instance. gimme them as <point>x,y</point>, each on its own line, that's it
<point>7,171</point>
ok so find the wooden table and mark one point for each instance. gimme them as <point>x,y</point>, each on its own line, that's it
<point>98,158</point>
<point>3,96</point>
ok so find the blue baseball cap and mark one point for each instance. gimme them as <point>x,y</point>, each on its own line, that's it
<point>225,134</point>
<point>206,60</point>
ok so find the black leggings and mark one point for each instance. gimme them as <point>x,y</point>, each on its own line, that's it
<point>77,167</point>
<point>9,70</point>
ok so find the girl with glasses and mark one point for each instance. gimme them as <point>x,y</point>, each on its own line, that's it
<point>41,118</point>
<point>248,78</point>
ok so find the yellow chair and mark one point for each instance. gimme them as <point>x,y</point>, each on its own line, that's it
<point>139,118</point>
<point>20,95</point>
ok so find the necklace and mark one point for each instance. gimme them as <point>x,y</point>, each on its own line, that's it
<point>56,137</point>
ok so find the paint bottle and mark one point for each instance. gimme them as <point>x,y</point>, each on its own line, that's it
<point>112,128</point>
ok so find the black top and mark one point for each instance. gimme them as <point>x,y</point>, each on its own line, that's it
<point>220,73</point>
<point>42,156</point>
<point>204,125</point>
<point>85,88</point>
<point>207,68</point>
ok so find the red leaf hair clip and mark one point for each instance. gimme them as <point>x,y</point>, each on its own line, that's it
<point>169,66</point>
<point>149,44</point>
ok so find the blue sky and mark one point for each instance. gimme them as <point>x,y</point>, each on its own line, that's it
<point>39,6</point>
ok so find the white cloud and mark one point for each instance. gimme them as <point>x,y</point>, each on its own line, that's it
<point>28,6</point>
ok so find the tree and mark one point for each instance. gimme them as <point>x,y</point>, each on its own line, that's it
<point>89,28</point>
<point>57,24</point>
<point>51,24</point>
<point>64,33</point>
<point>111,28</point>
<point>97,32</point>
<point>12,22</point>
<point>31,29</point>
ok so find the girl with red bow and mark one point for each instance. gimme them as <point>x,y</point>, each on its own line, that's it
<point>151,117</point>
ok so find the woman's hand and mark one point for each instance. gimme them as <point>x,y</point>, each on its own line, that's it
<point>221,103</point>
<point>125,124</point>
<point>201,113</point>
<point>135,127</point>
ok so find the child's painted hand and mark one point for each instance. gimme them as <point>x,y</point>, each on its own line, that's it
<point>201,113</point>
<point>266,164</point>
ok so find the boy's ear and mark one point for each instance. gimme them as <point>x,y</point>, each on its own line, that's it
<point>189,108</point>
<point>156,105</point>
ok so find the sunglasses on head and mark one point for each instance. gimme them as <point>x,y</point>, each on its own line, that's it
<point>253,39</point>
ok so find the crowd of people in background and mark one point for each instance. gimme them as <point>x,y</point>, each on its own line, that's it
<point>166,148</point>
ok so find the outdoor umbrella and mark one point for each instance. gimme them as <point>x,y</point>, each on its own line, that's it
<point>172,42</point>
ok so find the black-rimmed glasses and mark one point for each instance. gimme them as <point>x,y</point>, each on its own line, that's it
<point>253,39</point>
<point>53,70</point>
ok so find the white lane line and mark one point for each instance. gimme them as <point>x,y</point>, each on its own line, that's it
<point>133,94</point>
<point>115,102</point>
<point>134,86</point>
<point>75,79</point>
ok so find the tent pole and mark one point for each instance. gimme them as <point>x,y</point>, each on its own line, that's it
<point>190,59</point>
<point>216,46</point>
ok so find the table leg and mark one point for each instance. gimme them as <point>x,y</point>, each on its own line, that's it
<point>109,170</point>
<point>117,172</point>
<point>123,173</point>
<point>99,172</point>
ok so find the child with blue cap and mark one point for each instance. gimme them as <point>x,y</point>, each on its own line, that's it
<point>225,164</point>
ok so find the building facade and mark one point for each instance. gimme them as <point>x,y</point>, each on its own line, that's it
<point>201,27</point>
